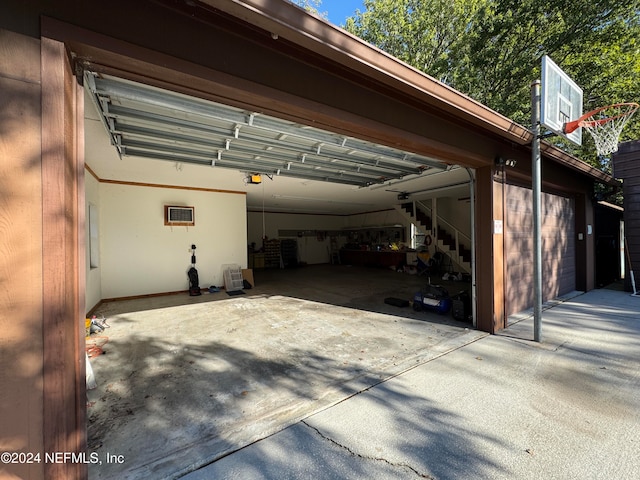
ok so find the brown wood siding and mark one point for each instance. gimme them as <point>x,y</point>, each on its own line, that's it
<point>21,338</point>
<point>632,228</point>
<point>625,162</point>
<point>626,166</point>
<point>558,247</point>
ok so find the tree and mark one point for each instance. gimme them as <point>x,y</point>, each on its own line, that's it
<point>310,6</point>
<point>594,41</point>
<point>492,49</point>
<point>420,33</point>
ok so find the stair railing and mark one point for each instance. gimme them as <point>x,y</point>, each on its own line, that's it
<point>437,220</point>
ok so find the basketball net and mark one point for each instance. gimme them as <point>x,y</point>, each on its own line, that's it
<point>604,124</point>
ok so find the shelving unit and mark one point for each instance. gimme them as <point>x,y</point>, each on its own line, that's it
<point>272,253</point>
<point>289,252</point>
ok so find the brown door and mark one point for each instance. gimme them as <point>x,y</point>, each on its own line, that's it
<point>558,247</point>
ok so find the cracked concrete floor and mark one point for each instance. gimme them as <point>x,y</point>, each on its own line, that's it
<point>312,452</point>
<point>187,380</point>
<point>502,408</point>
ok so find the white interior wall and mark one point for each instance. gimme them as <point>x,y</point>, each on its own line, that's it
<point>311,249</point>
<point>140,255</point>
<point>457,212</point>
<point>93,290</point>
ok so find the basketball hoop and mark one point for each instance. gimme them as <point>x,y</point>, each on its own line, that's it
<point>604,124</point>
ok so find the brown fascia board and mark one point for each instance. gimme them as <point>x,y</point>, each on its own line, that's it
<point>576,164</point>
<point>288,21</point>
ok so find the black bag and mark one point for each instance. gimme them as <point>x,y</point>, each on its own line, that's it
<point>194,282</point>
<point>396,302</point>
<point>461,307</point>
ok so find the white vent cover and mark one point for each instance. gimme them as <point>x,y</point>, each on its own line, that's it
<point>175,215</point>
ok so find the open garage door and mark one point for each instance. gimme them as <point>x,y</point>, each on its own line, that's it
<point>152,123</point>
<point>152,148</point>
<point>240,369</point>
<point>558,247</point>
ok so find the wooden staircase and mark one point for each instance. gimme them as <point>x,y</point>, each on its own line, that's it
<point>447,241</point>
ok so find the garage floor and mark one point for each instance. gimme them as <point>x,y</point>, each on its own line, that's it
<point>185,380</point>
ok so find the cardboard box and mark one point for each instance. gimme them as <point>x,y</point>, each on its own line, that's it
<point>247,274</point>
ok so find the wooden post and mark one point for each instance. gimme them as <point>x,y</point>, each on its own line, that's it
<point>64,428</point>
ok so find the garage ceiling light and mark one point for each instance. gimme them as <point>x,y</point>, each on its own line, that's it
<point>148,122</point>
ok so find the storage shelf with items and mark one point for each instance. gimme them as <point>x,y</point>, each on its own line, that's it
<point>272,253</point>
<point>383,238</point>
<point>289,252</point>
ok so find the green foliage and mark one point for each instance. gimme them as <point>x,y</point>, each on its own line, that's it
<point>311,6</point>
<point>421,33</point>
<point>492,49</point>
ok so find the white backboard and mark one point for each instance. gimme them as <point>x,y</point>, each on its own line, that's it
<point>561,100</point>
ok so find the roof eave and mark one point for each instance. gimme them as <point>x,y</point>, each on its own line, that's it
<point>288,21</point>
<point>562,157</point>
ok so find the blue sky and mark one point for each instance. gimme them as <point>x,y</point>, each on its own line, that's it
<point>339,10</point>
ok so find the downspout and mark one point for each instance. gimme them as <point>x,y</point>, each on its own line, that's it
<point>473,244</point>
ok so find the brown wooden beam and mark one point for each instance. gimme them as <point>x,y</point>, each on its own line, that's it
<point>489,269</point>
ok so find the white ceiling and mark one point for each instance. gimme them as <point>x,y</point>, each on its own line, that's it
<point>279,191</point>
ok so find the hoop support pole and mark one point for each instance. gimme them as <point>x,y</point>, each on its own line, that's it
<point>536,183</point>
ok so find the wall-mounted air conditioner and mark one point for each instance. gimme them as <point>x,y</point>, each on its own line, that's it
<point>179,216</point>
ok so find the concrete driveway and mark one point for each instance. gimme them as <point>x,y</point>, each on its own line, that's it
<point>186,380</point>
<point>503,407</point>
